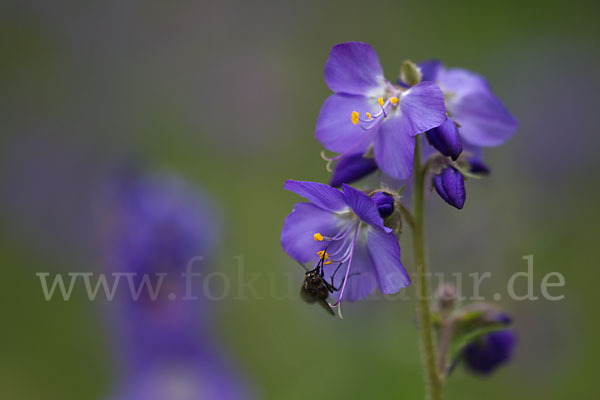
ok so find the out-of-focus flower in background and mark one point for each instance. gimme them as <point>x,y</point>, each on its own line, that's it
<point>163,340</point>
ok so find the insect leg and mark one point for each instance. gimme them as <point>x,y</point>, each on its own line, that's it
<point>302,265</point>
<point>332,288</point>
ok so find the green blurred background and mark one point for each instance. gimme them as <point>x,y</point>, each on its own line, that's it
<point>226,95</point>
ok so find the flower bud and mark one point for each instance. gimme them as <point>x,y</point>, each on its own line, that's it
<point>446,297</point>
<point>384,202</point>
<point>410,73</point>
<point>445,139</point>
<point>490,351</point>
<point>450,185</point>
<point>476,166</point>
<point>352,168</point>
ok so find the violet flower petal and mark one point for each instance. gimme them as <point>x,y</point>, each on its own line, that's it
<point>385,255</point>
<point>422,108</point>
<point>319,194</point>
<point>460,82</point>
<point>430,69</point>
<point>364,207</point>
<point>335,129</point>
<point>299,227</point>
<point>483,119</point>
<point>354,68</point>
<point>394,150</point>
<point>361,279</point>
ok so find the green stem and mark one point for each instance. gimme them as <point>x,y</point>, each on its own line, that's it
<point>434,383</point>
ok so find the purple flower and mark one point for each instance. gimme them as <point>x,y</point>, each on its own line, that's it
<point>367,110</point>
<point>450,185</point>
<point>164,344</point>
<point>348,223</point>
<point>482,119</point>
<point>198,376</point>
<point>157,225</point>
<point>490,351</point>
<point>352,168</point>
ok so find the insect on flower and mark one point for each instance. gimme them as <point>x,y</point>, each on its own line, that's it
<point>349,223</point>
<point>315,287</point>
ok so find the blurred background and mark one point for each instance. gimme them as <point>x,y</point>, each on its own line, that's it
<point>222,97</point>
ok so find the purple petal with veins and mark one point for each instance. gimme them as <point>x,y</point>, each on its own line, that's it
<point>319,194</point>
<point>353,68</point>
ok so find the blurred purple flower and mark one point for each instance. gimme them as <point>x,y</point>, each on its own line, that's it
<point>490,351</point>
<point>199,376</point>
<point>477,166</point>
<point>482,118</point>
<point>157,225</point>
<point>347,223</point>
<point>393,115</point>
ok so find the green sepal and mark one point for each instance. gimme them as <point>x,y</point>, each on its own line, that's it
<point>410,73</point>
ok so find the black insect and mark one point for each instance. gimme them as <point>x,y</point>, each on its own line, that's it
<point>315,288</point>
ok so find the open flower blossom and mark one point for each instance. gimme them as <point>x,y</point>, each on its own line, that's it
<point>348,224</point>
<point>368,112</point>
<point>482,119</point>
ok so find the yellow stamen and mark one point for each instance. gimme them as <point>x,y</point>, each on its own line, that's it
<point>327,262</point>
<point>318,237</point>
<point>354,118</point>
<point>380,101</point>
<point>323,255</point>
<point>394,100</point>
<point>369,115</point>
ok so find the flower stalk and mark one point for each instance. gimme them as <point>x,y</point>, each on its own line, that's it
<point>434,382</point>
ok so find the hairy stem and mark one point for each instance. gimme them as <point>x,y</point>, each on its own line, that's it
<point>434,383</point>
<point>447,332</point>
